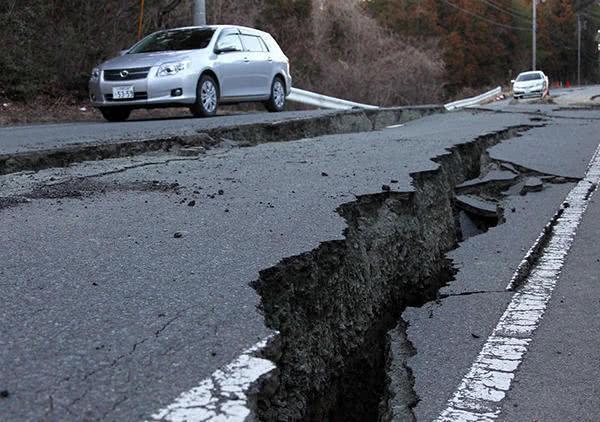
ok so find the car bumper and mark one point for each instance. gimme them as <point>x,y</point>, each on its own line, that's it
<point>150,91</point>
<point>529,92</point>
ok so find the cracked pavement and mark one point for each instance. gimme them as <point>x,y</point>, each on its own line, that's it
<point>108,316</point>
<point>37,137</point>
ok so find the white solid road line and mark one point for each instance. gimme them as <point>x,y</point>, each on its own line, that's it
<point>394,126</point>
<point>482,390</point>
<point>222,396</point>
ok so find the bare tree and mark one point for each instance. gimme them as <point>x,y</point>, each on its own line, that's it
<point>334,47</point>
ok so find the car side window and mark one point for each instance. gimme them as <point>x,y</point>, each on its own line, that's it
<point>253,43</point>
<point>231,40</point>
<point>264,45</point>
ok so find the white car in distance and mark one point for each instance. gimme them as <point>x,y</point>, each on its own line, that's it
<point>530,84</point>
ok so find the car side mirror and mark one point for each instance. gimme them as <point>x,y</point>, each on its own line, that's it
<point>123,52</point>
<point>513,81</point>
<point>226,48</point>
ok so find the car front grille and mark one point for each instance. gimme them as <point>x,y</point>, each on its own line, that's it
<point>136,96</point>
<point>126,74</point>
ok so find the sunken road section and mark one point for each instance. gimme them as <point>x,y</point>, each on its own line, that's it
<point>240,135</point>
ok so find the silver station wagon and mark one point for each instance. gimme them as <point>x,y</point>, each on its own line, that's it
<point>194,67</point>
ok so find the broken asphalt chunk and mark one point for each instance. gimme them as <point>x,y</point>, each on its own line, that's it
<point>495,176</point>
<point>532,184</point>
<point>477,206</point>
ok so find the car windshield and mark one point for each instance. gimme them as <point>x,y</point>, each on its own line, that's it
<point>523,77</point>
<point>175,40</point>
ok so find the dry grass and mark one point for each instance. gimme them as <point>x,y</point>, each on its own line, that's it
<point>63,110</point>
<point>46,110</point>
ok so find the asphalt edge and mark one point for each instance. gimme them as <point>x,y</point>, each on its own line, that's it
<point>240,135</point>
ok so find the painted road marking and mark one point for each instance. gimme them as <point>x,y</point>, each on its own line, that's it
<point>222,396</point>
<point>395,126</point>
<point>482,390</point>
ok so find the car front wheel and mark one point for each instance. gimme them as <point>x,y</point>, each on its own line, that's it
<point>115,114</point>
<point>207,98</point>
<point>277,101</point>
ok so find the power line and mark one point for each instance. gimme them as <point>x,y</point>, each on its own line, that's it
<point>590,15</point>
<point>483,18</point>
<point>524,14</point>
<point>508,12</point>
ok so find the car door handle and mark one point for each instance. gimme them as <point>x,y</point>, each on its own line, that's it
<point>246,59</point>
<point>270,59</point>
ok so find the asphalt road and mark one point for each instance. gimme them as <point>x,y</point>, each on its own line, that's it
<point>96,278</point>
<point>46,136</point>
<point>106,315</point>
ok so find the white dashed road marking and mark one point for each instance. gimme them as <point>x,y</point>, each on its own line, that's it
<point>222,396</point>
<point>482,390</point>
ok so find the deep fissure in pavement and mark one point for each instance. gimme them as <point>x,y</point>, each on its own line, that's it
<point>335,305</point>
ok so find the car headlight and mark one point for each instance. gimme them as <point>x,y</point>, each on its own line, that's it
<point>169,69</point>
<point>95,75</point>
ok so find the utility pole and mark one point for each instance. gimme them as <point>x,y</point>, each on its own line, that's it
<point>578,49</point>
<point>199,12</point>
<point>140,21</point>
<point>533,34</point>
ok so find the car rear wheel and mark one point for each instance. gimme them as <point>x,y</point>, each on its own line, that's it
<point>115,114</point>
<point>207,98</point>
<point>277,101</point>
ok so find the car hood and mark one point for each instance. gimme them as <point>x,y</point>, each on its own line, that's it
<point>528,84</point>
<point>145,59</point>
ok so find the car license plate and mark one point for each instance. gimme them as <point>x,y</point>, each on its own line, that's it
<point>123,93</point>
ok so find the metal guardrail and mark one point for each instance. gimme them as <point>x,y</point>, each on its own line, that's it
<point>323,101</point>
<point>474,100</point>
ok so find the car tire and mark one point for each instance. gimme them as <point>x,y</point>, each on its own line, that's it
<point>277,100</point>
<point>115,114</point>
<point>207,97</point>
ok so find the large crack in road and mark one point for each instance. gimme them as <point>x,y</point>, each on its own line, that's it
<point>336,308</point>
